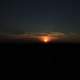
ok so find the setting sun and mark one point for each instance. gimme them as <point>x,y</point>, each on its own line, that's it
<point>45,40</point>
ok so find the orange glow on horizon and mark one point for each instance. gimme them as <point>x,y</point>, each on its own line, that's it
<point>45,39</point>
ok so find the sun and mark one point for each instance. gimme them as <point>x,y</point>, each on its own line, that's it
<point>45,40</point>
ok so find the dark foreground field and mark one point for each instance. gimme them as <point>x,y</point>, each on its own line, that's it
<point>36,54</point>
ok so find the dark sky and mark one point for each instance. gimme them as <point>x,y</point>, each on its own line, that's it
<point>39,16</point>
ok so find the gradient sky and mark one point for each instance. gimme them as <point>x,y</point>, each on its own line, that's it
<point>39,16</point>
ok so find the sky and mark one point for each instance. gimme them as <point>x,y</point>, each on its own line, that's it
<point>39,16</point>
